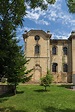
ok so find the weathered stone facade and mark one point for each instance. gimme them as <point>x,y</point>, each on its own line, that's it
<point>46,53</point>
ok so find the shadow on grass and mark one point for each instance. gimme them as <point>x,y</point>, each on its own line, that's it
<point>19,92</point>
<point>66,86</point>
<point>6,96</point>
<point>10,109</point>
<point>41,90</point>
<point>52,109</point>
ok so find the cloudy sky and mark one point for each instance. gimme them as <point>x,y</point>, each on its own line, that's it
<point>56,19</point>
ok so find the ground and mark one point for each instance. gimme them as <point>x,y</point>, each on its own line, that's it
<point>33,98</point>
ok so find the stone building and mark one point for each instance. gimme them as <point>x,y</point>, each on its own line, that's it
<point>57,55</point>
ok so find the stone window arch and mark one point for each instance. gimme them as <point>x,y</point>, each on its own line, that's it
<point>54,50</point>
<point>37,49</point>
<point>65,50</point>
<point>54,67</point>
<point>65,67</point>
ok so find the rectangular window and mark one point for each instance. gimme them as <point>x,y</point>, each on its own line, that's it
<point>65,50</point>
<point>54,67</point>
<point>65,68</point>
<point>37,49</point>
<point>54,50</point>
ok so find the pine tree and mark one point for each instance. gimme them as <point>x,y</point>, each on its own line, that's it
<point>16,70</point>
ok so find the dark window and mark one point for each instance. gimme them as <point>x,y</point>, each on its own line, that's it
<point>54,50</point>
<point>65,50</point>
<point>37,49</point>
<point>37,38</point>
<point>54,67</point>
<point>65,68</point>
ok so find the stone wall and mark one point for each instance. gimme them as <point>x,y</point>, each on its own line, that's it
<point>5,89</point>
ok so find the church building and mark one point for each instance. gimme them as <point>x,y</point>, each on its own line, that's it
<point>45,53</point>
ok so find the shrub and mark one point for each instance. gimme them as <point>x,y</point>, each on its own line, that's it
<point>46,80</point>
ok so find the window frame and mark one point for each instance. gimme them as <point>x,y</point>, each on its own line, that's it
<point>37,49</point>
<point>65,50</point>
<point>54,67</point>
<point>37,37</point>
<point>54,50</point>
<point>65,67</point>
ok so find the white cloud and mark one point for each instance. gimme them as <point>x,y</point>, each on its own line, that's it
<point>32,15</point>
<point>60,35</point>
<point>56,13</point>
<point>43,22</point>
<point>20,32</point>
<point>53,13</point>
<point>35,14</point>
<point>55,36</point>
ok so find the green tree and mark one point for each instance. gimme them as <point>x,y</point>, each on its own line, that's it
<point>13,62</point>
<point>71,6</point>
<point>16,70</point>
<point>46,80</point>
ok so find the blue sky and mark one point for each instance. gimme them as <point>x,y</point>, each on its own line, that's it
<point>56,19</point>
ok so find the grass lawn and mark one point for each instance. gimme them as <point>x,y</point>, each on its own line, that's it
<point>32,98</point>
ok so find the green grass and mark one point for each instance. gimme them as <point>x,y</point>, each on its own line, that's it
<point>32,98</point>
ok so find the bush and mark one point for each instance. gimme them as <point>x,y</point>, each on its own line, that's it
<point>46,80</point>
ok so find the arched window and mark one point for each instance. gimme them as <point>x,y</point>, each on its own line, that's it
<point>37,38</point>
<point>65,67</point>
<point>54,67</point>
<point>54,50</point>
<point>65,50</point>
<point>37,49</point>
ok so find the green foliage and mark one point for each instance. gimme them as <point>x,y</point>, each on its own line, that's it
<point>11,13</point>
<point>43,4</point>
<point>13,63</point>
<point>17,71</point>
<point>46,80</point>
<point>71,5</point>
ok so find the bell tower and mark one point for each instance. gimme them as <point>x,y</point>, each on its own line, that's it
<point>37,49</point>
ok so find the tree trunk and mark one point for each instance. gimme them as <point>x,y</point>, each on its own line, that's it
<point>45,88</point>
<point>15,89</point>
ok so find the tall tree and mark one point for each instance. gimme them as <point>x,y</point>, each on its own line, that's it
<point>16,70</point>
